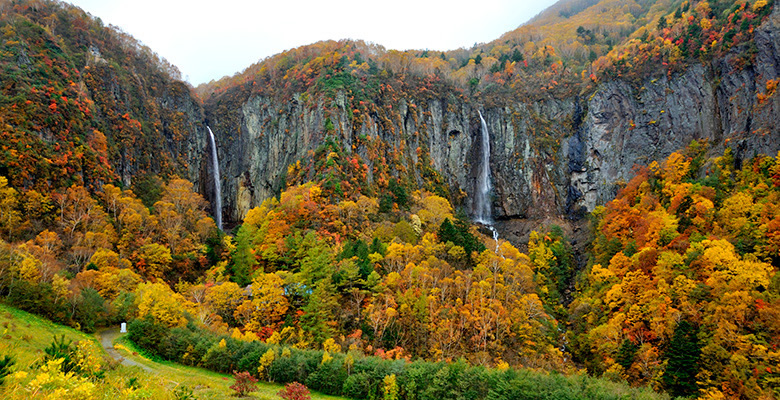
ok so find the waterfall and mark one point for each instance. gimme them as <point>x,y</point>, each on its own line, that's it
<point>217,183</point>
<point>482,197</point>
<point>484,215</point>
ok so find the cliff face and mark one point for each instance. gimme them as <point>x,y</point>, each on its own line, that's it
<point>169,135</point>
<point>87,104</point>
<point>717,103</point>
<point>553,158</point>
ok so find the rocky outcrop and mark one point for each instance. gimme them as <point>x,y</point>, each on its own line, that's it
<point>717,103</point>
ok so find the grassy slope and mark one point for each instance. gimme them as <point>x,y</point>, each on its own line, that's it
<point>25,336</point>
<point>198,377</point>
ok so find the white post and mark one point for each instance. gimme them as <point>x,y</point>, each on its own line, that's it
<point>123,328</point>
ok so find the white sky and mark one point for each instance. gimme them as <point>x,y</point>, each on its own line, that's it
<point>210,39</point>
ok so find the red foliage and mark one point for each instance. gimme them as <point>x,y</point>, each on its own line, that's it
<point>294,391</point>
<point>245,383</point>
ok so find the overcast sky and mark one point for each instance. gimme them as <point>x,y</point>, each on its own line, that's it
<point>210,39</point>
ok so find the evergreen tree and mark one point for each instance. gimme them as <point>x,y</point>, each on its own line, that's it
<point>517,56</point>
<point>626,354</point>
<point>244,260</point>
<point>458,233</point>
<point>682,356</point>
<point>662,23</point>
<point>319,311</point>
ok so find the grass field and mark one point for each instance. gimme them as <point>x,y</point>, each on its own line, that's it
<point>24,336</point>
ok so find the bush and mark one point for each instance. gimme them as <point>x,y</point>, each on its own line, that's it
<point>60,349</point>
<point>90,310</point>
<point>251,356</point>
<point>148,335</point>
<point>5,367</point>
<point>204,343</point>
<point>294,391</point>
<point>420,380</point>
<point>417,376</point>
<point>245,383</point>
<point>328,378</point>
<point>222,357</point>
<point>183,392</point>
<point>176,344</point>
<point>286,370</point>
<point>357,386</point>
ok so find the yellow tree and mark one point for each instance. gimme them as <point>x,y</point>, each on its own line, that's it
<point>179,212</point>
<point>134,222</point>
<point>159,302</point>
<point>153,260</point>
<point>267,305</point>
<point>10,217</point>
<point>223,299</point>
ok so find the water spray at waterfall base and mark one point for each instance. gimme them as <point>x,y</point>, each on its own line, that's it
<point>217,183</point>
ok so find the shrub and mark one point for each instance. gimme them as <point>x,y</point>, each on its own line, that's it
<point>148,335</point>
<point>245,383</point>
<point>390,388</point>
<point>417,376</point>
<point>182,392</point>
<point>5,367</point>
<point>90,310</point>
<point>59,349</point>
<point>251,356</point>
<point>222,356</point>
<point>328,378</point>
<point>286,369</point>
<point>177,343</point>
<point>357,386</point>
<point>294,391</point>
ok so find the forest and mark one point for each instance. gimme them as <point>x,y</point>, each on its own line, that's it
<point>383,288</point>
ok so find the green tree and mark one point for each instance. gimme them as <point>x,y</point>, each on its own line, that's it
<point>662,23</point>
<point>316,260</point>
<point>458,233</point>
<point>517,56</point>
<point>682,356</point>
<point>244,259</point>
<point>626,354</point>
<point>319,311</point>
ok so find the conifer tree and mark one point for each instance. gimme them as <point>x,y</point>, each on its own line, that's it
<point>682,356</point>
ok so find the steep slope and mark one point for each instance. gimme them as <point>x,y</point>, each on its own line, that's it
<point>84,103</point>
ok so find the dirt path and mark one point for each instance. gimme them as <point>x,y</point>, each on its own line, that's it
<point>107,338</point>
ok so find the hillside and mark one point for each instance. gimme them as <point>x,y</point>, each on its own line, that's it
<point>633,184</point>
<point>26,336</point>
<point>83,103</point>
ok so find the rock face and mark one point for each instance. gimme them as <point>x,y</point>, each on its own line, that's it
<point>555,158</point>
<point>178,140</point>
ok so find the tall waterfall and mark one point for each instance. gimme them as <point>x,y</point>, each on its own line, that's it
<point>482,197</point>
<point>217,183</point>
<point>484,215</point>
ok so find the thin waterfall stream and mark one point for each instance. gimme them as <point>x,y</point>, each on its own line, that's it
<point>217,183</point>
<point>484,214</point>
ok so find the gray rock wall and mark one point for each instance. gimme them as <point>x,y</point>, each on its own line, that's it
<point>548,159</point>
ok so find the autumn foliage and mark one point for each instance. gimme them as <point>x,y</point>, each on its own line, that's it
<point>361,278</point>
<point>683,293</point>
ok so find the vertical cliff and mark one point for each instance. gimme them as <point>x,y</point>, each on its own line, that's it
<point>553,158</point>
